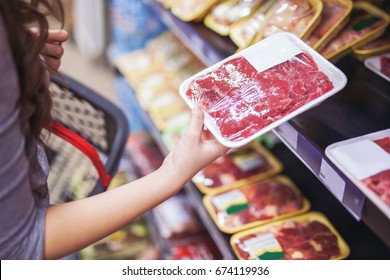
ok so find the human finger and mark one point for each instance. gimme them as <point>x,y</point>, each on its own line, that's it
<point>57,36</point>
<point>53,50</point>
<point>196,121</point>
<point>52,63</point>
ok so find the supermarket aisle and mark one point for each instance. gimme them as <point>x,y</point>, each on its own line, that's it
<point>97,75</point>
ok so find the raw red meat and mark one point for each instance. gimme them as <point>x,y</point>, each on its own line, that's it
<point>194,249</point>
<point>243,101</point>
<point>306,240</point>
<point>332,12</point>
<point>227,170</point>
<point>380,183</point>
<point>266,200</point>
<point>385,65</point>
<point>361,24</point>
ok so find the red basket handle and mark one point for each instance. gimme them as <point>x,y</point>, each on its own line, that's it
<point>86,148</point>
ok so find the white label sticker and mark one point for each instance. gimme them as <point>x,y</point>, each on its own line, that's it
<point>269,53</point>
<point>257,246</point>
<point>362,159</point>
<point>332,180</point>
<point>225,200</point>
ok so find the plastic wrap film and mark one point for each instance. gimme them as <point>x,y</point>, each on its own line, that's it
<point>334,16</point>
<point>249,92</point>
<point>238,167</point>
<point>309,236</point>
<point>374,48</point>
<point>269,94</point>
<point>255,204</point>
<point>223,15</point>
<point>246,29</point>
<point>365,160</point>
<point>176,218</point>
<point>298,17</point>
<point>192,10</point>
<point>196,248</point>
<point>366,24</point>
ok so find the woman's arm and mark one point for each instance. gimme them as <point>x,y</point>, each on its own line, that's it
<point>75,225</point>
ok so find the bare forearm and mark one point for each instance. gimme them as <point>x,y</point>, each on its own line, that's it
<point>75,225</point>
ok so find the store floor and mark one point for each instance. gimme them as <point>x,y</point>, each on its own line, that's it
<point>95,74</point>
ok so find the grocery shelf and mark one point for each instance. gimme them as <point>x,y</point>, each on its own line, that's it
<point>362,107</point>
<point>201,41</point>
<point>356,234</point>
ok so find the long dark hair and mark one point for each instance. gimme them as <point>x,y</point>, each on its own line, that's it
<point>18,16</point>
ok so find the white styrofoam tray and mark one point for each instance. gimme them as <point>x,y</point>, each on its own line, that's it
<point>373,63</point>
<point>362,163</point>
<point>263,55</point>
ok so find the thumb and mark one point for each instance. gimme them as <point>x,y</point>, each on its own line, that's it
<point>196,120</point>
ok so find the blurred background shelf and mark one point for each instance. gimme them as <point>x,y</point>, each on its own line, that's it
<point>362,107</point>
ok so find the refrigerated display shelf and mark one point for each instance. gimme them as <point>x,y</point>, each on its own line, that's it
<point>361,108</point>
<point>200,40</point>
<point>358,236</point>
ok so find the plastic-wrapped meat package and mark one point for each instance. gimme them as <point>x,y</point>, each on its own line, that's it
<point>198,248</point>
<point>251,92</point>
<point>365,160</point>
<point>250,163</point>
<point>380,183</point>
<point>242,101</point>
<point>333,17</point>
<point>374,49</point>
<point>306,237</point>
<point>143,152</point>
<point>176,218</point>
<point>255,204</point>
<point>226,13</point>
<point>365,19</point>
<point>191,10</point>
<point>292,16</point>
<point>246,29</point>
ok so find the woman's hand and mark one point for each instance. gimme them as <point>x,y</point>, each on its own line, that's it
<point>195,150</point>
<point>53,51</point>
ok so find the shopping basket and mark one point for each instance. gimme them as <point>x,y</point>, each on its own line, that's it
<point>86,142</point>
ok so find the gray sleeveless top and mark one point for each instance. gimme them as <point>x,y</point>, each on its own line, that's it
<point>23,171</point>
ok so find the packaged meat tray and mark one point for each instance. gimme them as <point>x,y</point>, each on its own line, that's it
<point>298,17</point>
<point>192,10</point>
<point>309,236</point>
<point>196,248</point>
<point>225,14</point>
<point>245,29</point>
<point>378,47</point>
<point>255,204</point>
<point>334,16</point>
<point>365,160</point>
<point>253,91</point>
<point>176,218</point>
<point>250,163</point>
<point>379,65</point>
<point>367,23</point>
